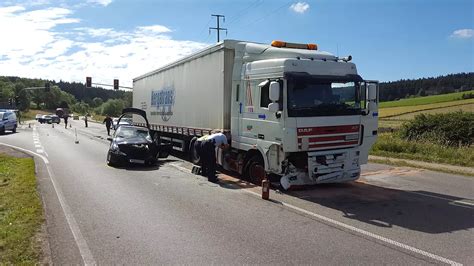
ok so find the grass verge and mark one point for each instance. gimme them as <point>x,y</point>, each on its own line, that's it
<point>21,213</point>
<point>390,145</point>
<point>31,114</point>
<point>402,163</point>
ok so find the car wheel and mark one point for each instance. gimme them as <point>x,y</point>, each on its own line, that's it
<point>2,130</point>
<point>110,162</point>
<point>14,129</point>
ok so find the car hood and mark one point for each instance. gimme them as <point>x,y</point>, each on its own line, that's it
<point>132,141</point>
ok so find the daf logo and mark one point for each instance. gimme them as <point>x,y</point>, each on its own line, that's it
<point>304,130</point>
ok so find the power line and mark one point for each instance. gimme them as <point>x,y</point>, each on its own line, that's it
<point>271,13</point>
<point>218,28</point>
<point>205,28</point>
<point>238,16</point>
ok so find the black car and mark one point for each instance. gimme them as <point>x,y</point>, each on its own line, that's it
<point>133,144</point>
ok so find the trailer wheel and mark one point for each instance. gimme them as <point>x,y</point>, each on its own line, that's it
<point>255,170</point>
<point>193,153</point>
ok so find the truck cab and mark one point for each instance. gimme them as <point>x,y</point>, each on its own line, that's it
<point>302,115</point>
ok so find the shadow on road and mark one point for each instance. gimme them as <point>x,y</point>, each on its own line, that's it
<point>141,168</point>
<point>415,210</point>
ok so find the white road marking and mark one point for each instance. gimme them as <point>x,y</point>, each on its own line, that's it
<point>76,232</point>
<point>37,145</point>
<point>460,203</point>
<point>39,150</point>
<point>180,168</point>
<point>349,227</point>
<point>363,232</point>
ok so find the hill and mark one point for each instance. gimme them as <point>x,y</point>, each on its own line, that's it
<point>392,114</point>
<point>401,89</point>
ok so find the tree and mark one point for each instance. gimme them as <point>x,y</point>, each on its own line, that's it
<point>80,107</point>
<point>96,102</point>
<point>112,107</point>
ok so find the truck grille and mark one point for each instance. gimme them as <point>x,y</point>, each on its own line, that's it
<point>320,138</point>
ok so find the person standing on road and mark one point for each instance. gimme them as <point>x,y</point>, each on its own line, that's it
<point>65,121</point>
<point>85,119</point>
<point>108,124</point>
<point>208,145</point>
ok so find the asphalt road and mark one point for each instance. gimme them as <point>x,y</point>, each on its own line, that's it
<point>166,215</point>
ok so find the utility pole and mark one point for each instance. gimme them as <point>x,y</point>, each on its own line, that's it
<point>218,28</point>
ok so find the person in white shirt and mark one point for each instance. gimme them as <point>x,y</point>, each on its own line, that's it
<point>208,145</point>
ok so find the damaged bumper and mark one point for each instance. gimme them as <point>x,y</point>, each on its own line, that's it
<point>324,167</point>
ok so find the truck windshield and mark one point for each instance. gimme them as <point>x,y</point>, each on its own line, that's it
<point>313,96</point>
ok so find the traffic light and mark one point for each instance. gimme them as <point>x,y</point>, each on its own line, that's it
<point>116,84</point>
<point>10,101</point>
<point>88,82</point>
<point>47,87</point>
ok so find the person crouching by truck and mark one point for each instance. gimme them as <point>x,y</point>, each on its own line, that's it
<point>207,152</point>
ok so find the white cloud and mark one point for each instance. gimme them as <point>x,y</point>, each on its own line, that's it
<point>154,29</point>
<point>300,7</point>
<point>36,48</point>
<point>100,2</point>
<point>463,34</point>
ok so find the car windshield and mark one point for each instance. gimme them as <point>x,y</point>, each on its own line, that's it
<point>312,96</point>
<point>132,132</point>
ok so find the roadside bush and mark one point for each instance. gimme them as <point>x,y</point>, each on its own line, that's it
<point>391,145</point>
<point>449,129</point>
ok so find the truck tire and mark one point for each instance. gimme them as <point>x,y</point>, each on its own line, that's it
<point>255,170</point>
<point>193,154</point>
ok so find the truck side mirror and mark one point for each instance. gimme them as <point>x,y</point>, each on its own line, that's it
<point>273,107</point>
<point>274,91</point>
<point>372,92</point>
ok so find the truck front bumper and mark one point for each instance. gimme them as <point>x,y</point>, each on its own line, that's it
<point>334,166</point>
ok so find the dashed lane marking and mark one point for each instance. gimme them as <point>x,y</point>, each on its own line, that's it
<point>81,243</point>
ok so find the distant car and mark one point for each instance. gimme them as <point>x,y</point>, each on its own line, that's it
<point>133,144</point>
<point>45,119</point>
<point>8,121</point>
<point>55,119</point>
<point>38,116</point>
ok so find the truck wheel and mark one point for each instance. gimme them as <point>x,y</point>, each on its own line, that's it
<point>255,170</point>
<point>193,154</point>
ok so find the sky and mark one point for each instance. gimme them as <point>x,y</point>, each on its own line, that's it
<point>122,39</point>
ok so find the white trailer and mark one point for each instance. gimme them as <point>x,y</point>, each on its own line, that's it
<point>294,112</point>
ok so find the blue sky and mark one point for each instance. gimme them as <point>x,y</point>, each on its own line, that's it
<point>107,39</point>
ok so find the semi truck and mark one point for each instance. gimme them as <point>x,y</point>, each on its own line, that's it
<point>294,113</point>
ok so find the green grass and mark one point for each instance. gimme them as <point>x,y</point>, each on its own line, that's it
<point>21,213</point>
<point>425,100</point>
<point>390,145</point>
<point>399,110</point>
